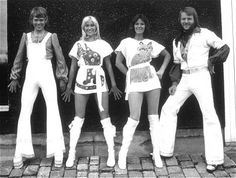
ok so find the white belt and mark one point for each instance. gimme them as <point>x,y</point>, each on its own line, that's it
<point>194,70</point>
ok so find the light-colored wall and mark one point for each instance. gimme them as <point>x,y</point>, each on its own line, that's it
<point>3,31</point>
<point>228,14</point>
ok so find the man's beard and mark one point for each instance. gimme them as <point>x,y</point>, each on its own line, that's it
<point>190,30</point>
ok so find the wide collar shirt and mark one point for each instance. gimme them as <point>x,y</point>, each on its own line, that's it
<point>198,47</point>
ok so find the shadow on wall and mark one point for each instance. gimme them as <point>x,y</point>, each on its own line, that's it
<point>114,16</point>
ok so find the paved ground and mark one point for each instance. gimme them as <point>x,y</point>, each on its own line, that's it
<point>188,160</point>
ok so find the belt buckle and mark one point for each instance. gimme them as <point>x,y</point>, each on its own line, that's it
<point>188,71</point>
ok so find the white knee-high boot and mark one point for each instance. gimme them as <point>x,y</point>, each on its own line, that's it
<point>75,130</point>
<point>109,132</point>
<point>154,127</point>
<point>128,132</point>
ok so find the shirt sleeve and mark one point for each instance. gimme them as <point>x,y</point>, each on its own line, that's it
<point>107,49</point>
<point>74,50</point>
<point>220,55</point>
<point>122,47</point>
<point>213,40</point>
<point>61,67</point>
<point>19,59</point>
<point>157,49</point>
<point>175,73</point>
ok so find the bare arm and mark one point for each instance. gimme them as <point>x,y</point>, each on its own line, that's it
<point>166,61</point>
<point>73,68</point>
<point>119,63</point>
<point>115,90</point>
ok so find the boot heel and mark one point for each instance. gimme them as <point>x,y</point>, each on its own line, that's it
<point>71,159</point>
<point>122,160</point>
<point>111,159</point>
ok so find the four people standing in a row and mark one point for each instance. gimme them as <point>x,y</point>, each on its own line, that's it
<point>190,48</point>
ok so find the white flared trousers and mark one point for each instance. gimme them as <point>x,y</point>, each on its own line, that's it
<point>199,84</point>
<point>39,75</point>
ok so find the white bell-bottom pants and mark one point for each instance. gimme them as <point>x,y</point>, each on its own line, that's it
<point>199,84</point>
<point>39,75</point>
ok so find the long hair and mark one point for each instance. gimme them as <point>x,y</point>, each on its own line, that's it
<point>131,31</point>
<point>94,20</point>
<point>184,35</point>
<point>190,11</point>
<point>38,12</point>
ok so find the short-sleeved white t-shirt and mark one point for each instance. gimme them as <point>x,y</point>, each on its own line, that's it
<point>90,57</point>
<point>136,51</point>
<point>141,76</point>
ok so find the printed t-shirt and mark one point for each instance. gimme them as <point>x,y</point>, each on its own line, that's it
<point>141,75</point>
<point>90,77</point>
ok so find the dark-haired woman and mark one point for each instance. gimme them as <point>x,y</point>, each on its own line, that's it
<point>141,81</point>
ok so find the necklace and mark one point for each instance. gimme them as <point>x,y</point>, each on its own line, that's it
<point>37,38</point>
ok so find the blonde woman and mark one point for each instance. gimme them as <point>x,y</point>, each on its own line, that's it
<point>88,54</point>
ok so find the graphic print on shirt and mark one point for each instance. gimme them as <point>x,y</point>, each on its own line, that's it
<point>91,58</point>
<point>143,55</point>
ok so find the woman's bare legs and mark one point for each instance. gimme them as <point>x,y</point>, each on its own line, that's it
<point>153,97</point>
<point>76,126</point>
<point>135,103</point>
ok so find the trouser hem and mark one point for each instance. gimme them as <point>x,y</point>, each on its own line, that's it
<point>216,162</point>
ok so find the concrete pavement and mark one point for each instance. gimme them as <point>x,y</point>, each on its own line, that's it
<point>188,160</point>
